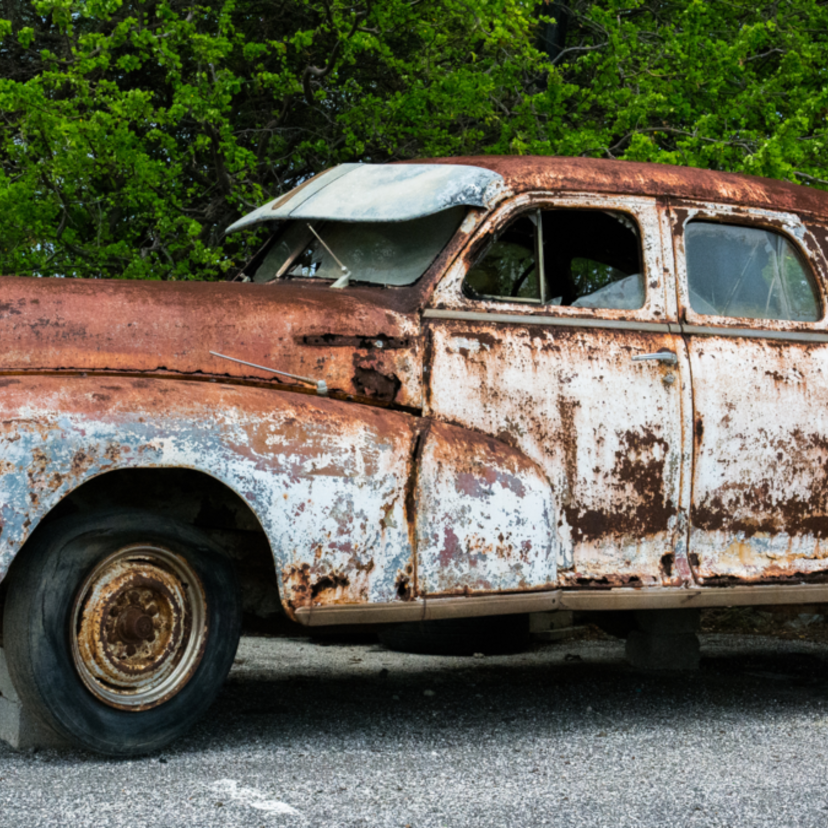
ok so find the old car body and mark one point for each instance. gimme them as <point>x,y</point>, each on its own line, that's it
<point>470,450</point>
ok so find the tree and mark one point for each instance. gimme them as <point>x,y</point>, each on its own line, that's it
<point>720,84</point>
<point>135,131</point>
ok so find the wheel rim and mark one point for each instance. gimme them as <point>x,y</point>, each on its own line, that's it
<point>139,627</point>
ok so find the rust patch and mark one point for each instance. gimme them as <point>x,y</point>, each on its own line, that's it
<point>379,342</point>
<point>609,581</point>
<point>372,384</point>
<point>763,506</point>
<point>170,328</point>
<point>404,585</point>
<point>637,463</point>
<point>296,579</point>
<point>771,576</point>
<point>328,583</point>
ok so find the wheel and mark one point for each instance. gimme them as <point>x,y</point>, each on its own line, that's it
<point>490,635</point>
<point>120,628</point>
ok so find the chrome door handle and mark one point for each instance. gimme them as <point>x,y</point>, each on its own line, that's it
<point>662,356</point>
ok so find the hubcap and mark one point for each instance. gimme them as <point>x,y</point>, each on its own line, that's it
<point>139,626</point>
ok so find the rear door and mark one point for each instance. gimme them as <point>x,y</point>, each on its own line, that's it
<point>753,305</point>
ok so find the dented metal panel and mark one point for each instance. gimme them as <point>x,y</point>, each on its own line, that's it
<point>381,192</point>
<point>606,430</point>
<point>485,519</point>
<point>327,481</point>
<point>760,447</point>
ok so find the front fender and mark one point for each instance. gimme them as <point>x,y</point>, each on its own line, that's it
<point>326,479</point>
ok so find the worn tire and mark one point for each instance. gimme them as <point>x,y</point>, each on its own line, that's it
<point>49,607</point>
<point>490,635</point>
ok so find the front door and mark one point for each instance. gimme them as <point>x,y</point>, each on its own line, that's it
<point>553,335</point>
<point>758,346</point>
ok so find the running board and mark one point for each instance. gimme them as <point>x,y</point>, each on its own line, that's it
<point>432,609</point>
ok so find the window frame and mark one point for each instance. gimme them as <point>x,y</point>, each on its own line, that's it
<point>659,302</point>
<point>788,225</point>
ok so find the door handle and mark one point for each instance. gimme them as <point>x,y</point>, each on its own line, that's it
<point>661,356</point>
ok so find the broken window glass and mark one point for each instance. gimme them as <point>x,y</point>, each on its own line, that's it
<point>383,253</point>
<point>592,259</point>
<point>748,272</point>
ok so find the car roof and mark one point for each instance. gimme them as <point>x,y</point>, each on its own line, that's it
<point>526,172</point>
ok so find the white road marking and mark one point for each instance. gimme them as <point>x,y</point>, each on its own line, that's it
<point>230,789</point>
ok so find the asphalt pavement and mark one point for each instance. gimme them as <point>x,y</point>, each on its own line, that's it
<point>310,733</point>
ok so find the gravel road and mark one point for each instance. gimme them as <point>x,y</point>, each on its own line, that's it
<point>308,733</point>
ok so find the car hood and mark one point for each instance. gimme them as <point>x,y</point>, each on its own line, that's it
<point>356,341</point>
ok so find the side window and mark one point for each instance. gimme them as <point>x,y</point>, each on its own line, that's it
<point>580,258</point>
<point>509,269</point>
<point>747,272</point>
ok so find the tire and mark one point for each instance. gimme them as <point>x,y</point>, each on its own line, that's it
<point>490,635</point>
<point>120,628</point>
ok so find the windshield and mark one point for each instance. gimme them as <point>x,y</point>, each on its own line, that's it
<point>382,253</point>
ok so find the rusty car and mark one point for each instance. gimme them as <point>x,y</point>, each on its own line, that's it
<point>456,388</point>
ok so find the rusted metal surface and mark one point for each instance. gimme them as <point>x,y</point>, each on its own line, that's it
<point>485,519</point>
<point>528,451</point>
<point>66,324</point>
<point>593,175</point>
<point>327,481</point>
<point>606,430</point>
<point>139,628</point>
<point>760,434</point>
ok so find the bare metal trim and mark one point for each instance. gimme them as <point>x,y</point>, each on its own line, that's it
<point>623,325</point>
<point>598,599</point>
<point>429,609</point>
<point>474,606</point>
<point>751,333</point>
<point>661,356</point>
<point>321,387</point>
<point>360,614</point>
<point>560,321</point>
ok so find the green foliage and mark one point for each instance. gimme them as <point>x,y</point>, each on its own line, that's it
<point>135,131</point>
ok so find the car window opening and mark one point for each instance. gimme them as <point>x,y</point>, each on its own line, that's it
<point>578,258</point>
<point>748,272</point>
<point>382,253</point>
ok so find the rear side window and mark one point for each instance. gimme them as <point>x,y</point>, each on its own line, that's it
<point>747,272</point>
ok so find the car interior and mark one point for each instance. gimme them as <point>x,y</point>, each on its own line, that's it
<point>590,259</point>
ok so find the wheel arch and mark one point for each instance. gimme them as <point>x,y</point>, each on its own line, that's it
<point>193,496</point>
